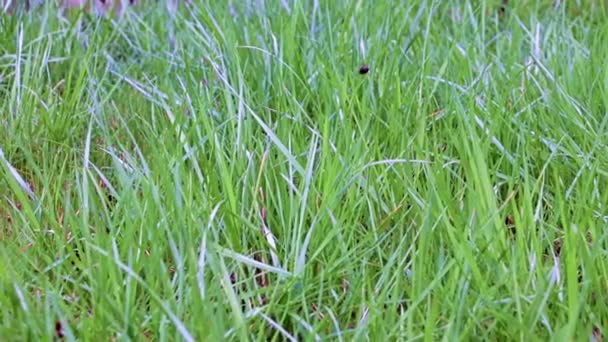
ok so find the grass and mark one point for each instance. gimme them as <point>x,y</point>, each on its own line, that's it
<point>226,173</point>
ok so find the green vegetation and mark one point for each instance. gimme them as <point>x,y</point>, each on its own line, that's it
<point>225,172</point>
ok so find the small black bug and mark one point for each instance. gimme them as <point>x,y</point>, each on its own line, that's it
<point>364,69</point>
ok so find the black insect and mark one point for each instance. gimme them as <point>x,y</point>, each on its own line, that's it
<point>503,7</point>
<point>364,69</point>
<point>59,330</point>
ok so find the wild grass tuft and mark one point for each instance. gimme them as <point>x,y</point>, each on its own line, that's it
<point>225,172</point>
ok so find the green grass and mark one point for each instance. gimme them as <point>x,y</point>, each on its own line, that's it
<point>225,172</point>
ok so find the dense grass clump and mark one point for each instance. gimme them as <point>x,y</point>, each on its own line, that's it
<point>305,170</point>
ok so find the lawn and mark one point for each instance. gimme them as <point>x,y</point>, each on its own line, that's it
<point>305,170</point>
